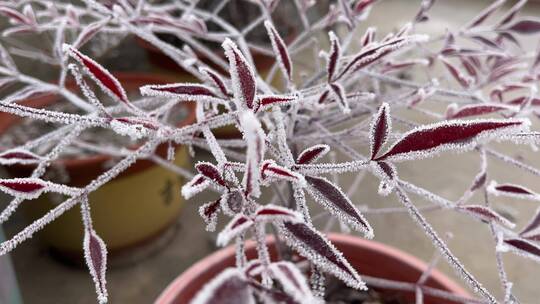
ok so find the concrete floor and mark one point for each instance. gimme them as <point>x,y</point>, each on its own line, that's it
<point>44,280</point>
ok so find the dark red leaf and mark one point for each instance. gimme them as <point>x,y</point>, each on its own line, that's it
<point>380,128</point>
<point>456,134</point>
<point>524,246</point>
<point>525,26</point>
<point>228,287</point>
<point>320,252</point>
<point>211,172</point>
<point>217,81</point>
<point>22,186</point>
<point>102,77</point>
<point>95,254</point>
<point>333,56</point>
<point>478,109</point>
<point>335,201</point>
<point>486,214</point>
<point>280,49</point>
<point>242,75</point>
<point>312,154</point>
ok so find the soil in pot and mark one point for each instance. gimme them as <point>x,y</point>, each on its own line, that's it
<point>132,210</point>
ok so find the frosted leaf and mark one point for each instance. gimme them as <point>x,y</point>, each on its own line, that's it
<point>228,287</point>
<point>269,169</point>
<point>209,213</point>
<point>486,214</point>
<point>266,102</point>
<point>368,37</point>
<point>341,97</point>
<point>18,156</point>
<point>238,225</point>
<point>312,154</point>
<point>381,125</point>
<point>181,91</point>
<point>336,202</point>
<point>217,81</point>
<point>333,56</point>
<point>89,32</point>
<point>211,172</point>
<point>293,281</point>
<point>315,247</point>
<point>512,190</point>
<point>388,174</point>
<point>25,188</point>
<point>378,51</point>
<point>520,247</point>
<point>478,109</point>
<point>242,75</point>
<point>461,135</point>
<point>323,97</point>
<point>272,213</point>
<point>95,254</point>
<point>531,229</point>
<point>196,185</point>
<point>254,135</point>
<point>100,75</point>
<point>280,50</point>
<point>464,80</point>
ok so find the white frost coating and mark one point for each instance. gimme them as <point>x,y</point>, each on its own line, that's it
<point>324,149</point>
<point>98,275</point>
<point>194,186</point>
<point>232,52</point>
<point>505,247</point>
<point>293,281</point>
<point>18,156</point>
<point>270,171</point>
<point>205,295</point>
<point>340,214</point>
<point>272,213</point>
<point>498,134</point>
<point>533,196</point>
<point>351,279</point>
<point>235,227</point>
<point>163,90</point>
<point>254,136</point>
<point>134,131</point>
<point>276,40</point>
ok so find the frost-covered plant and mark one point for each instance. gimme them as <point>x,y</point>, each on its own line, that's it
<point>290,119</point>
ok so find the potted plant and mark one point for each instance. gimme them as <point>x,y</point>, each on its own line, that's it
<point>283,165</point>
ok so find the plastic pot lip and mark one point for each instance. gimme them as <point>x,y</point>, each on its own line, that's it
<point>128,79</point>
<point>183,282</point>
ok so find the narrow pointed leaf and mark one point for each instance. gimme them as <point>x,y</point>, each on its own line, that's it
<point>461,135</point>
<point>95,254</point>
<point>242,76</point>
<point>211,172</point>
<point>312,154</point>
<point>486,214</point>
<point>27,188</point>
<point>335,201</point>
<point>380,129</point>
<point>315,247</point>
<point>238,225</point>
<point>100,75</point>
<point>280,49</point>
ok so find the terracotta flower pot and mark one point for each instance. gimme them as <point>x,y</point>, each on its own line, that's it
<point>368,257</point>
<point>132,209</point>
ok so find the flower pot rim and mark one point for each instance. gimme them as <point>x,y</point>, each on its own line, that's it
<point>183,281</point>
<point>8,120</point>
